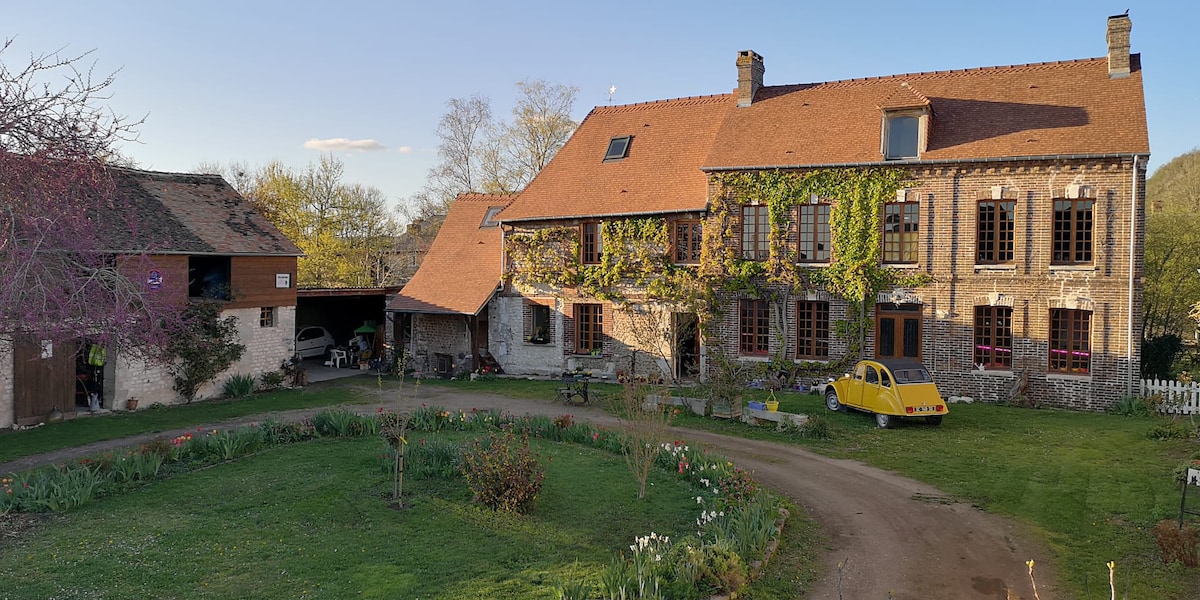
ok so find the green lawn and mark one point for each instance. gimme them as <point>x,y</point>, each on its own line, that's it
<point>1092,484</point>
<point>312,520</point>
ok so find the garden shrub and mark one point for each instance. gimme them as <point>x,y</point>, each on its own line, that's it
<point>737,489</point>
<point>688,562</point>
<point>1176,544</point>
<point>1131,406</point>
<point>276,432</point>
<point>203,347</point>
<point>271,380</point>
<point>503,472</point>
<point>239,386</point>
<point>1171,429</point>
<point>724,568</point>
<point>816,428</point>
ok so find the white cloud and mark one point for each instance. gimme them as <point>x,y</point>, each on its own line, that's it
<point>344,144</point>
<point>404,149</point>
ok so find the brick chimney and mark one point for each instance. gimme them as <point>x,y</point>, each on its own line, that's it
<point>750,75</point>
<point>1118,45</point>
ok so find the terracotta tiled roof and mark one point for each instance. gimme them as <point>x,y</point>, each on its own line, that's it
<point>660,173</point>
<point>462,268</point>
<point>191,214</point>
<point>904,96</point>
<point>1044,109</point>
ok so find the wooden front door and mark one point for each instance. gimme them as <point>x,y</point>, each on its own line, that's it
<point>898,331</point>
<point>43,379</point>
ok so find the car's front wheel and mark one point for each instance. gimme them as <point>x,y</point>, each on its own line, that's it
<point>831,400</point>
<point>884,421</point>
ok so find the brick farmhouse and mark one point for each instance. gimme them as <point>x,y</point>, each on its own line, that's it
<point>995,216</point>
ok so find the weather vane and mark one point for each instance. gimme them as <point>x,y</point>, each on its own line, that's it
<point>612,89</point>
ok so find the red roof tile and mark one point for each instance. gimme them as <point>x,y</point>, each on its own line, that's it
<point>462,268</point>
<point>660,173</point>
<point>1044,109</point>
<point>904,96</point>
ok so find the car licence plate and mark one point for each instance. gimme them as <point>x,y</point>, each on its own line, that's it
<point>925,409</point>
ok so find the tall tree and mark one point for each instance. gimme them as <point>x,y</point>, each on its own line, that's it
<point>345,230</point>
<point>541,123</point>
<point>477,154</point>
<point>237,173</point>
<point>1172,254</point>
<point>1175,187</point>
<point>60,279</point>
<point>1171,295</point>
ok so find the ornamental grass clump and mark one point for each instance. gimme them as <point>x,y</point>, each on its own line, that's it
<point>344,423</point>
<point>239,385</point>
<point>425,458</point>
<point>503,472</point>
<point>137,466</point>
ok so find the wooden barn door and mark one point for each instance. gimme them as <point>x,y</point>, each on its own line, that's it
<point>43,379</point>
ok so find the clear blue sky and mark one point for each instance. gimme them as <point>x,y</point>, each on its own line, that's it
<point>254,80</point>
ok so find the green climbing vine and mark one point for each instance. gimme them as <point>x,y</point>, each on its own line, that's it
<point>547,256</point>
<point>856,273</point>
<point>636,252</point>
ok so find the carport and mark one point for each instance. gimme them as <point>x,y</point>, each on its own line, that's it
<point>342,310</point>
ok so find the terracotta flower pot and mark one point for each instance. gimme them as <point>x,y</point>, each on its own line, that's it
<point>131,404</point>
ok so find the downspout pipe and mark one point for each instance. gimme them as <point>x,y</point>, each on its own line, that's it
<point>1133,212</point>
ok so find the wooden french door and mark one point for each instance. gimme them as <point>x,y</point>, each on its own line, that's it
<point>898,331</point>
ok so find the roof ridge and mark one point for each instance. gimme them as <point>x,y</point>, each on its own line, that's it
<point>942,72</point>
<point>135,171</point>
<point>480,196</point>
<point>705,99</point>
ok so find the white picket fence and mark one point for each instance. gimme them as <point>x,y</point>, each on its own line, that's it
<point>1178,397</point>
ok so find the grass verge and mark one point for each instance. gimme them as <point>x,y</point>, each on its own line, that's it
<point>87,430</point>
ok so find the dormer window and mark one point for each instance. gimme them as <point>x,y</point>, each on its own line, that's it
<point>902,137</point>
<point>905,131</point>
<point>489,219</point>
<point>618,148</point>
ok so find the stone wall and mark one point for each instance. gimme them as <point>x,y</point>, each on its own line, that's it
<point>509,330</point>
<point>151,383</point>
<point>635,339</point>
<point>439,334</point>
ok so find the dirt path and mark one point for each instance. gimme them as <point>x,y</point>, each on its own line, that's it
<point>893,535</point>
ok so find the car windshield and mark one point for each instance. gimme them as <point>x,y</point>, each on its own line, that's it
<point>912,375</point>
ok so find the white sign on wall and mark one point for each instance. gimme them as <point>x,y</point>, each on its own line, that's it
<point>283,280</point>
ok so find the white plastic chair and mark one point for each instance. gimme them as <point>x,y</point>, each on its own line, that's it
<point>336,358</point>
